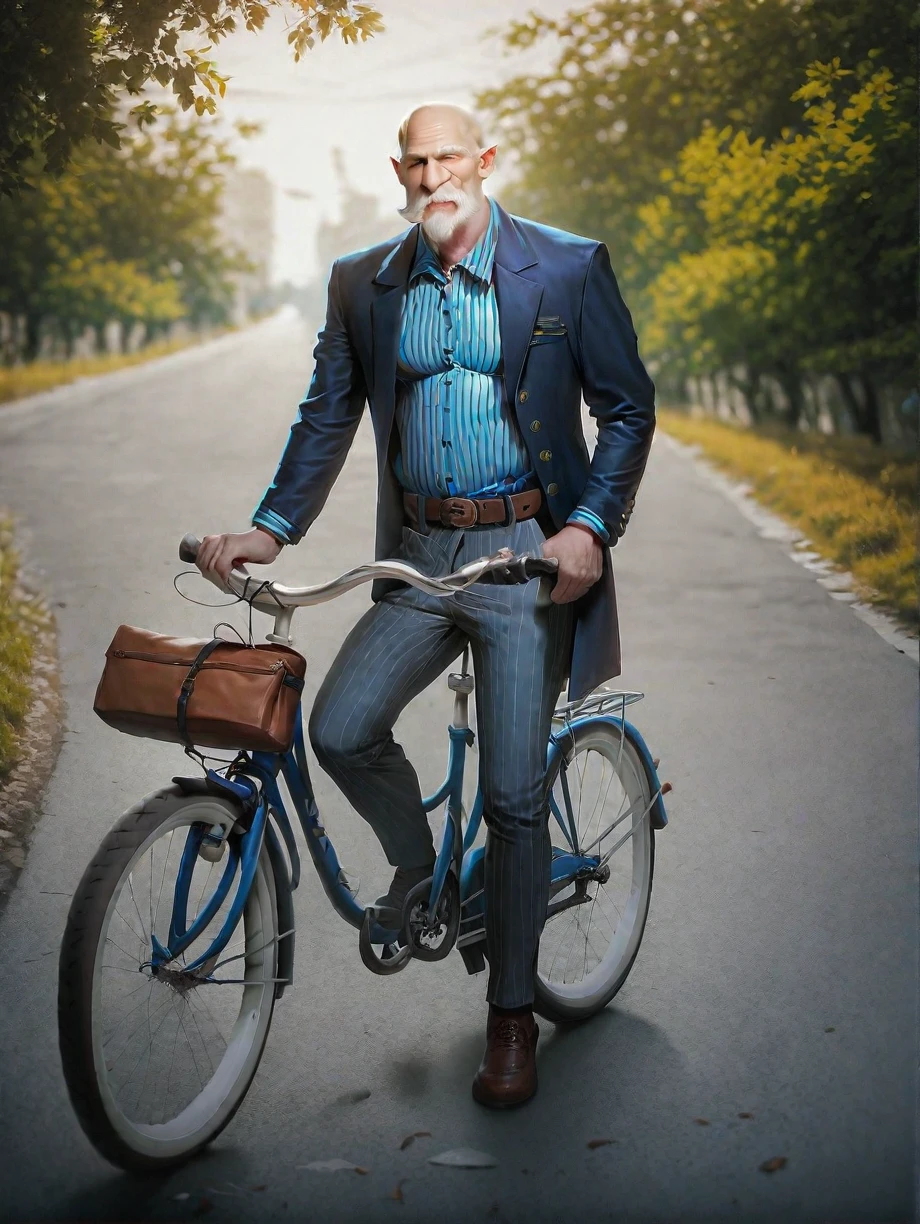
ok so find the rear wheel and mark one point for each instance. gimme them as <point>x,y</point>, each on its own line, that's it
<point>600,801</point>
<point>158,1061</point>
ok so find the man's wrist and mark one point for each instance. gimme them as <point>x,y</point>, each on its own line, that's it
<point>588,521</point>
<point>277,539</point>
<point>588,531</point>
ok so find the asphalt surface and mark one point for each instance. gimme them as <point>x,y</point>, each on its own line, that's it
<point>778,973</point>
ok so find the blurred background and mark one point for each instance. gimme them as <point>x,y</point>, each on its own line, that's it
<point>173,169</point>
<point>751,164</point>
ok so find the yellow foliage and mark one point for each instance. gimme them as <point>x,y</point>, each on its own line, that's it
<point>17,381</point>
<point>15,651</point>
<point>761,204</point>
<point>863,519</point>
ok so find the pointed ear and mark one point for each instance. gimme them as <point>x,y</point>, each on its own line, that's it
<point>396,166</point>
<point>487,161</point>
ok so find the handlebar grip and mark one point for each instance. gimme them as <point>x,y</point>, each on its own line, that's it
<point>521,569</point>
<point>188,547</point>
<point>540,567</point>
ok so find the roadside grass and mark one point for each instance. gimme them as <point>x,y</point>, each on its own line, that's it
<point>36,376</point>
<point>16,635</point>
<point>856,502</point>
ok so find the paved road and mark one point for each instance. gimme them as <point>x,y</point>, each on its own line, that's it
<point>777,977</point>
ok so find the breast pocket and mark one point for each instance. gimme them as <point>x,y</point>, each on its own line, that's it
<point>549,329</point>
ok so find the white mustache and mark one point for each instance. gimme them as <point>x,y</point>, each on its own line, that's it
<point>444,195</point>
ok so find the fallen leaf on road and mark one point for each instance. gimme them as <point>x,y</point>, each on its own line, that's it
<point>410,1139</point>
<point>745,1115</point>
<point>774,1165</point>
<point>256,1187</point>
<point>397,1194</point>
<point>596,1143</point>
<point>830,1029</point>
<point>701,1121</point>
<point>353,1097</point>
<point>331,1166</point>
<point>204,1206</point>
<point>464,1158</point>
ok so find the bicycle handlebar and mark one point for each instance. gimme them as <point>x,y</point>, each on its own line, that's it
<point>503,567</point>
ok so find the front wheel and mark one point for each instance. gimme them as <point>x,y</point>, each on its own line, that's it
<point>158,1060</point>
<point>599,807</point>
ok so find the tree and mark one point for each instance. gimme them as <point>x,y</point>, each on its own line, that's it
<point>634,81</point>
<point>788,270</point>
<point>67,63</point>
<point>755,222</point>
<point>129,234</point>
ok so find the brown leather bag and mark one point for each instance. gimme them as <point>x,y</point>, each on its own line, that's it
<point>216,694</point>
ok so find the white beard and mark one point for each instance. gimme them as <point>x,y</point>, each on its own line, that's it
<point>441,224</point>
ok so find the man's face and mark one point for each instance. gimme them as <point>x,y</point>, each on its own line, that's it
<point>442,171</point>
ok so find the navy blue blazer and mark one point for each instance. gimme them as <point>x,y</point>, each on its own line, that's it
<point>584,346</point>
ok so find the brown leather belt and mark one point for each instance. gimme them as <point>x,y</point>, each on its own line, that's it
<point>469,511</point>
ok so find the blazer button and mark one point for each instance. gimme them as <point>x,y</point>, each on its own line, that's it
<point>546,455</point>
<point>552,488</point>
<point>534,426</point>
<point>523,396</point>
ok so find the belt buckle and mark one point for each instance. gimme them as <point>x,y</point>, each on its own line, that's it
<point>457,512</point>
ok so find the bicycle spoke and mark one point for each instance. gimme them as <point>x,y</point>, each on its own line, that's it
<point>137,907</point>
<point>139,938</point>
<point>163,877</point>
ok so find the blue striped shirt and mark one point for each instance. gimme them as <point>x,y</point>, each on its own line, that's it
<point>457,437</point>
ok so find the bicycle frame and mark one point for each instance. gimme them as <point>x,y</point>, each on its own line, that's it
<point>456,851</point>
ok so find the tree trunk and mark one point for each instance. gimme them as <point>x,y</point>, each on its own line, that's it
<point>750,389</point>
<point>864,413</point>
<point>33,336</point>
<point>792,386</point>
<point>872,417</point>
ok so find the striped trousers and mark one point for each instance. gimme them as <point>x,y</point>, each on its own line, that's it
<point>520,647</point>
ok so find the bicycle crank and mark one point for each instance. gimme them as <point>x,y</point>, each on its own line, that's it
<point>393,958</point>
<point>431,939</point>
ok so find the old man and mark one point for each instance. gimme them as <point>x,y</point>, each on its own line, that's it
<point>473,336</point>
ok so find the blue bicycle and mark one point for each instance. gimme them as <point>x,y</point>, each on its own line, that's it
<point>180,936</point>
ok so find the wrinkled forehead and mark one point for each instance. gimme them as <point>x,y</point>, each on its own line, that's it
<point>432,132</point>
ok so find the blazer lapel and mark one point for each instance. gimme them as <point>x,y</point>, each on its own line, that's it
<point>518,299</point>
<point>386,313</point>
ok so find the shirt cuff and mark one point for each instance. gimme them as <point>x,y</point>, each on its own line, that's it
<point>587,518</point>
<point>276,524</point>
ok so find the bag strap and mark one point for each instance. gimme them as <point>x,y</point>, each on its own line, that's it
<point>188,684</point>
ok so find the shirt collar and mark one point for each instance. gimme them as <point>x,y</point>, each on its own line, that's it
<point>478,262</point>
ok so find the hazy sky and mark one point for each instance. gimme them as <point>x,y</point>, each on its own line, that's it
<point>354,97</point>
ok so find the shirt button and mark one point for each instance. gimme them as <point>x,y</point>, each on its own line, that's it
<point>552,488</point>
<point>534,426</point>
<point>546,455</point>
<point>523,397</point>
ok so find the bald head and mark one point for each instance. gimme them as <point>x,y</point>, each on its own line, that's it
<point>439,120</point>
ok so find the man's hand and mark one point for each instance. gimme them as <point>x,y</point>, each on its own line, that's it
<point>581,561</point>
<point>219,554</point>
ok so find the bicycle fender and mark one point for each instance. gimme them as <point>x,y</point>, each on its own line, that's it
<point>285,899</point>
<point>657,816</point>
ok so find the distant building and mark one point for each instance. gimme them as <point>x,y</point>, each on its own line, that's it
<point>361,224</point>
<point>248,224</point>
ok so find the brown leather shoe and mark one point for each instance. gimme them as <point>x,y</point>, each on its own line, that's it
<point>507,1074</point>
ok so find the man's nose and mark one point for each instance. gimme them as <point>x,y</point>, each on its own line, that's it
<point>434,175</point>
